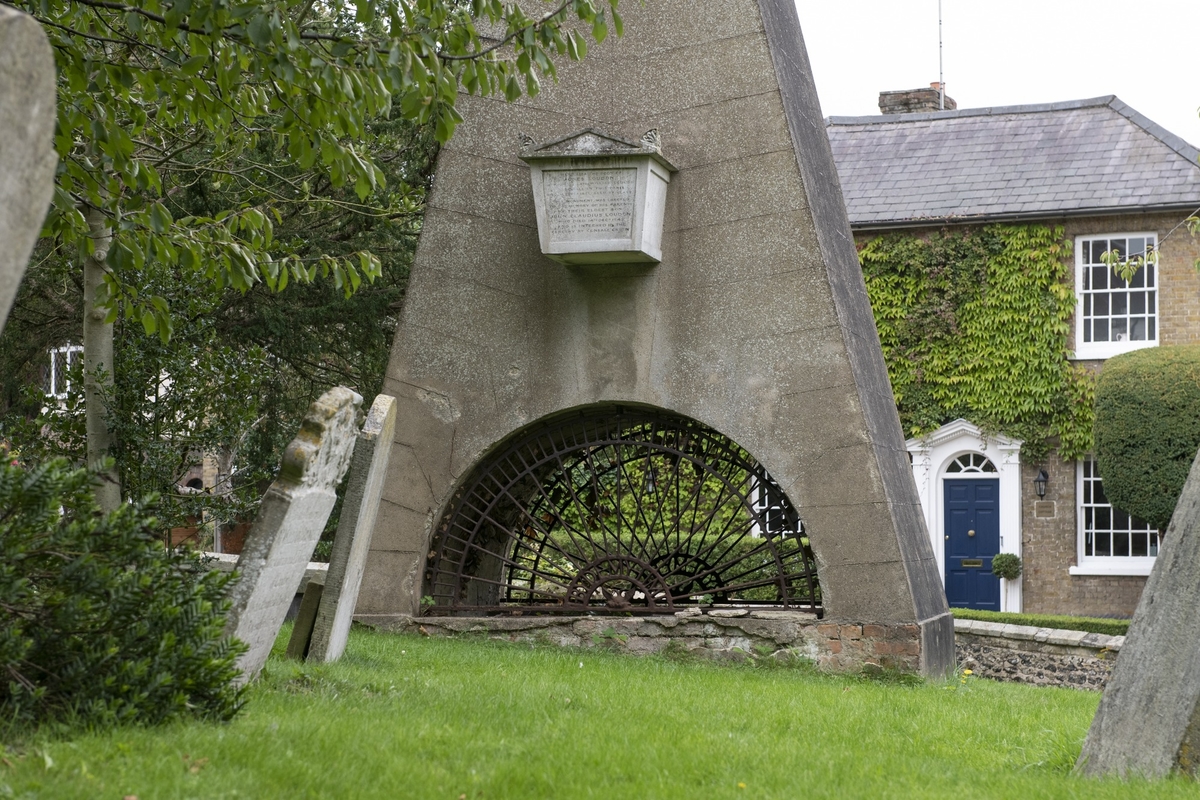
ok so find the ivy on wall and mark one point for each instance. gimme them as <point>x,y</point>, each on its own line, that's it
<point>974,323</point>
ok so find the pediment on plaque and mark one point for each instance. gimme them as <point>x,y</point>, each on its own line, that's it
<point>595,143</point>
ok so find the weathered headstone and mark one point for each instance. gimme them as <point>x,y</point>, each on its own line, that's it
<point>27,157</point>
<point>1148,723</point>
<point>302,626</point>
<point>293,513</point>
<point>353,539</point>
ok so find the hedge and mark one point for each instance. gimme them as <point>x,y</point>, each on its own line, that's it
<point>1147,428</point>
<point>1109,627</point>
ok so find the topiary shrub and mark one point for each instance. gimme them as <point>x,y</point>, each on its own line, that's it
<point>101,624</point>
<point>1007,566</point>
<point>1147,428</point>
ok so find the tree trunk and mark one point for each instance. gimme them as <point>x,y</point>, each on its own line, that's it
<point>98,362</point>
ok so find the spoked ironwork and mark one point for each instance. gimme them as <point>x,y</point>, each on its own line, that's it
<point>619,510</point>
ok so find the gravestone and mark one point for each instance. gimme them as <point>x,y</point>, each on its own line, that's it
<point>751,318</point>
<point>1148,722</point>
<point>290,520</point>
<point>306,616</point>
<point>27,157</point>
<point>352,542</point>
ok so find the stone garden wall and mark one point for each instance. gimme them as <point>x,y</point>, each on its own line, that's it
<point>722,634</point>
<point>1038,656</point>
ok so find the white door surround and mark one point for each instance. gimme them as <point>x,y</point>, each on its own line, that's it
<point>933,453</point>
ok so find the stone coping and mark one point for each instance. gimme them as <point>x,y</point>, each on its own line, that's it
<point>227,562</point>
<point>1045,636</point>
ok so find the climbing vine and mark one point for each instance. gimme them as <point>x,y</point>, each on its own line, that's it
<point>974,324</point>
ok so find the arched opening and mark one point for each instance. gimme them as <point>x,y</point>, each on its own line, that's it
<point>618,509</point>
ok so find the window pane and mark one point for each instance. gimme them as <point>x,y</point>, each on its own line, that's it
<point>1137,302</point>
<point>1100,330</point>
<point>1139,279</point>
<point>1137,330</point>
<point>1150,336</point>
<point>1151,274</point>
<point>1137,247</point>
<point>1100,305</point>
<point>1120,247</point>
<point>1108,531</point>
<point>1119,331</point>
<point>1140,544</point>
<point>1100,277</point>
<point>1120,303</point>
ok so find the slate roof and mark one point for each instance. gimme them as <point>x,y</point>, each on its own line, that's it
<point>1076,158</point>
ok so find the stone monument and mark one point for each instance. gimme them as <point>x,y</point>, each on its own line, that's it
<point>750,316</point>
<point>27,157</point>
<point>290,520</point>
<point>1148,723</point>
<point>352,542</point>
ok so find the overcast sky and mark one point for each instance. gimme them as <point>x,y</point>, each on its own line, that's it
<point>1010,52</point>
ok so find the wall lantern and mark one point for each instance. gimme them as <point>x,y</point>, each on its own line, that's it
<point>1039,483</point>
<point>600,199</point>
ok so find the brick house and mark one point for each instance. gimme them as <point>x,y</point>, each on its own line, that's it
<point>1113,180</point>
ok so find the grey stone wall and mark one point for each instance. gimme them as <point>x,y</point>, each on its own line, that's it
<point>1037,656</point>
<point>731,634</point>
<point>1019,654</point>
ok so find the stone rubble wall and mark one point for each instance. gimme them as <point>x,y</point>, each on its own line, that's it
<point>721,634</point>
<point>1037,656</point>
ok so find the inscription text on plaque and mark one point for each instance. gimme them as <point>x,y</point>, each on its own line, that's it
<point>590,203</point>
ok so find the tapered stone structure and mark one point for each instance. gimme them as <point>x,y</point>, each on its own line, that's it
<point>755,323</point>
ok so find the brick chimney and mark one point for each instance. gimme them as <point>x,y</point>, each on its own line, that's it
<point>913,101</point>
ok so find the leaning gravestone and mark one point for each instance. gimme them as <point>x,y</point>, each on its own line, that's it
<point>353,539</point>
<point>27,157</point>
<point>1148,723</point>
<point>290,520</point>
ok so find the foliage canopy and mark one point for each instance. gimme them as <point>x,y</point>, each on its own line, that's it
<point>272,96</point>
<point>1148,428</point>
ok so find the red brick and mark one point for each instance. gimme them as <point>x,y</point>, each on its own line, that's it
<point>874,631</point>
<point>851,631</point>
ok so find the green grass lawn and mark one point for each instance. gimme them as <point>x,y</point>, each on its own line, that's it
<point>403,717</point>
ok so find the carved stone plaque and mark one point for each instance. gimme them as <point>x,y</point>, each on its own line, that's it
<point>590,204</point>
<point>600,199</point>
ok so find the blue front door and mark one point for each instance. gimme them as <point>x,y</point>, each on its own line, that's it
<point>972,538</point>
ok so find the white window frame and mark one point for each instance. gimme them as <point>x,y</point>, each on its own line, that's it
<point>60,387</point>
<point>1100,350</point>
<point>1100,565</point>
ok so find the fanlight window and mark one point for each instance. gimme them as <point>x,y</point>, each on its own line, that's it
<point>971,463</point>
<point>619,511</point>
